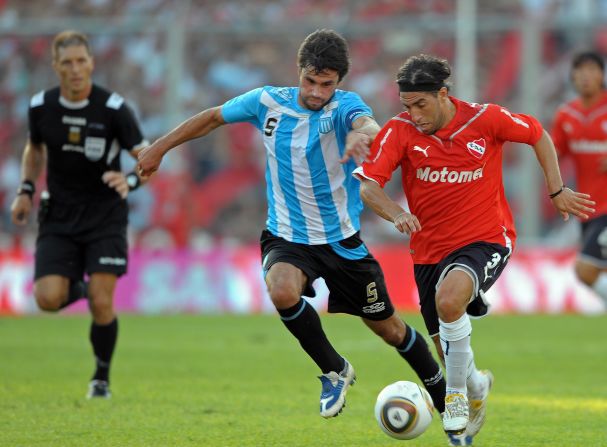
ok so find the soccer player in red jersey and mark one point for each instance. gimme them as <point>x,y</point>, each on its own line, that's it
<point>462,230</point>
<point>580,131</point>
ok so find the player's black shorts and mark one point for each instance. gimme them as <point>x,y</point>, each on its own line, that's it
<point>353,276</point>
<point>483,261</point>
<point>594,241</point>
<point>84,238</point>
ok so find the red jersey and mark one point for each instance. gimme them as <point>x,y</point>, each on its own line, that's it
<point>581,133</point>
<point>453,178</point>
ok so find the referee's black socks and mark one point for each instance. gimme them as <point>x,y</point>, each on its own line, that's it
<point>103,338</point>
<point>415,351</point>
<point>304,323</point>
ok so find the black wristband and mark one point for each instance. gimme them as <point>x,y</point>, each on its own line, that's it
<point>554,194</point>
<point>133,181</point>
<point>27,187</point>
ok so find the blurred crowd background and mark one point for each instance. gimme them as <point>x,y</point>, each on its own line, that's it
<point>172,59</point>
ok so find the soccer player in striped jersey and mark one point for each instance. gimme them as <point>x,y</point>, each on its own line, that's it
<point>580,132</point>
<point>314,134</point>
<point>461,227</point>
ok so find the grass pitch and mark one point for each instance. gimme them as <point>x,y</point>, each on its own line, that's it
<point>209,381</point>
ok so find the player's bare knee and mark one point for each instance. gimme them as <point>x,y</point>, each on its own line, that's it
<point>392,332</point>
<point>450,307</point>
<point>284,296</point>
<point>586,274</point>
<point>453,295</point>
<point>48,301</point>
<point>394,336</point>
<point>101,305</point>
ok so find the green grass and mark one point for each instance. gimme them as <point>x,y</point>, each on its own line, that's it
<point>243,381</point>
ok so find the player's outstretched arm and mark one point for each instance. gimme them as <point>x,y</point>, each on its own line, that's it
<point>32,163</point>
<point>197,126</point>
<point>359,139</point>
<point>564,199</point>
<point>376,198</point>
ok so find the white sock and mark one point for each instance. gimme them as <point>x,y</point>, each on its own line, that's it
<point>475,379</point>
<point>455,341</point>
<point>600,286</point>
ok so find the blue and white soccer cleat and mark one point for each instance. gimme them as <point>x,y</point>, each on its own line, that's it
<point>459,440</point>
<point>334,389</point>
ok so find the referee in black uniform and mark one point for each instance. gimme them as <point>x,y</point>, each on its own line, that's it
<point>77,129</point>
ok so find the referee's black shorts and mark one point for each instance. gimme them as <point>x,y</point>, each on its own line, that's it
<point>83,238</point>
<point>353,276</point>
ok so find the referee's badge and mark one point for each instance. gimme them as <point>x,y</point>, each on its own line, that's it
<point>74,135</point>
<point>94,147</point>
<point>325,125</point>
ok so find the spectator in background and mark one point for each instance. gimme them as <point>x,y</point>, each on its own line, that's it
<point>73,129</point>
<point>580,132</point>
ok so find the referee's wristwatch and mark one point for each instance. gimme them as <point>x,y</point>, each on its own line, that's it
<point>27,187</point>
<point>133,181</point>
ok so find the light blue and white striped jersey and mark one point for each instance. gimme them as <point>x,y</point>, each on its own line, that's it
<point>312,197</point>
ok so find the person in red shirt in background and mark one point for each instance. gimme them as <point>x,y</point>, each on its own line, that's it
<point>462,230</point>
<point>580,131</point>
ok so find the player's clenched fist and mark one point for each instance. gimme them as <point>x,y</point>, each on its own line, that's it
<point>149,160</point>
<point>407,223</point>
<point>21,209</point>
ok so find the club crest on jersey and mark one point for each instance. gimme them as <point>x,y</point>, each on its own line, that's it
<point>476,147</point>
<point>325,125</point>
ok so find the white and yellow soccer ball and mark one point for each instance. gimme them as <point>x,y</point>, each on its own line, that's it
<point>404,410</point>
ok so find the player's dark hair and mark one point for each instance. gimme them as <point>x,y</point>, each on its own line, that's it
<point>322,50</point>
<point>69,38</point>
<point>587,56</point>
<point>424,72</point>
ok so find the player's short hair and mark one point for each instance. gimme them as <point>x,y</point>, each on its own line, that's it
<point>69,38</point>
<point>424,72</point>
<point>322,50</point>
<point>587,56</point>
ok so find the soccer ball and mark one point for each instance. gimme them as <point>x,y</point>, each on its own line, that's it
<point>404,410</point>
